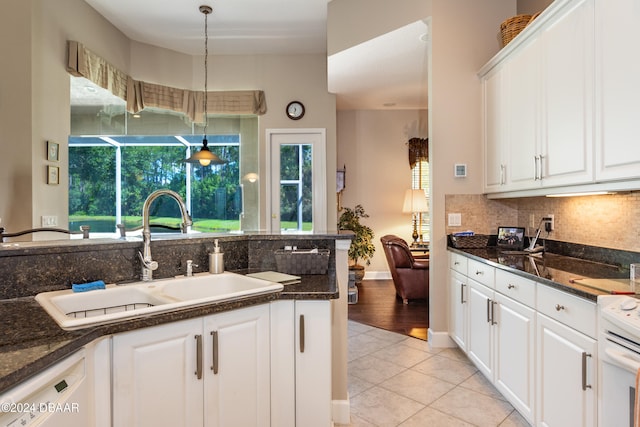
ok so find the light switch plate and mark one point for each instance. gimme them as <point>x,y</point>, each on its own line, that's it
<point>455,220</point>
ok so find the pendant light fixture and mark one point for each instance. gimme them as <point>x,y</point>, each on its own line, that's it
<point>205,157</point>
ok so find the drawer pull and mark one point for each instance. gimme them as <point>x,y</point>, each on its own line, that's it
<point>510,286</point>
<point>198,372</point>
<point>301,326</point>
<point>456,263</point>
<point>493,314</point>
<point>214,366</point>
<point>479,273</point>
<point>584,370</point>
<point>559,307</point>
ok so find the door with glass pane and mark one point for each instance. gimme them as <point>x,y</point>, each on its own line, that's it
<point>297,184</point>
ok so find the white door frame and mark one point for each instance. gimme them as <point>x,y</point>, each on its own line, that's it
<point>319,178</point>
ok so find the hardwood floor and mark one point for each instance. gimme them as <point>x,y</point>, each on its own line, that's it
<point>378,306</point>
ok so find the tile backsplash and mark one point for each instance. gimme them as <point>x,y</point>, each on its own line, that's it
<point>609,221</point>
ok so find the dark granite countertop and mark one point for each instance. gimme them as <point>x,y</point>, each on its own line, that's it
<point>583,278</point>
<point>31,340</point>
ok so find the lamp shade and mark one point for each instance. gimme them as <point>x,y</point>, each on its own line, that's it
<point>205,157</point>
<point>415,201</point>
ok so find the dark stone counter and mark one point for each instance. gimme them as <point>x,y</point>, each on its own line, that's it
<point>31,340</point>
<point>577,276</point>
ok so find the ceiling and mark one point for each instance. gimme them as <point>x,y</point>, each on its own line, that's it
<point>388,72</point>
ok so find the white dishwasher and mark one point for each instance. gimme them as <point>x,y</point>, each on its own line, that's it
<point>59,396</point>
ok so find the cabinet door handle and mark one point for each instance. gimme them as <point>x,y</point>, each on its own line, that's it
<point>462,285</point>
<point>502,175</point>
<point>540,167</point>
<point>198,356</point>
<point>214,366</point>
<point>488,310</point>
<point>493,314</point>
<point>535,168</point>
<point>584,370</point>
<point>302,333</point>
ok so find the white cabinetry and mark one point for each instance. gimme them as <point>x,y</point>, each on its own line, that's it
<point>481,307</point>
<point>206,371</point>
<point>494,129</point>
<point>617,90</point>
<point>301,363</point>
<point>566,360</point>
<point>458,300</point>
<point>533,342</point>
<point>515,341</point>
<point>522,118</point>
<point>539,105</point>
<point>566,143</point>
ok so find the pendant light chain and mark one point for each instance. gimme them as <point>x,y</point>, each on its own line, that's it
<point>206,10</point>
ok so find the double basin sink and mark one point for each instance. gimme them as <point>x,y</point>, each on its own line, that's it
<point>77,310</point>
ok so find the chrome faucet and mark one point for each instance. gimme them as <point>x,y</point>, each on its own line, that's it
<point>148,264</point>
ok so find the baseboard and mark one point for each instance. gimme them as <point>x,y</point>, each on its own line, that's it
<point>341,411</point>
<point>377,275</point>
<point>439,339</point>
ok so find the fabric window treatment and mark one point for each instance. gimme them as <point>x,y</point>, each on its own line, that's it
<point>418,151</point>
<point>82,62</point>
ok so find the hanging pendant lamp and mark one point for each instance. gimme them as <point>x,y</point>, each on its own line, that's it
<point>205,157</point>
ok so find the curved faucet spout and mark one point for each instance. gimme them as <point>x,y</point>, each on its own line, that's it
<point>148,265</point>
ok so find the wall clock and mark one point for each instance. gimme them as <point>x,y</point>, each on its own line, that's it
<point>295,110</point>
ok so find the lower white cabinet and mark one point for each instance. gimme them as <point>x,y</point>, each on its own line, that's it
<point>301,363</point>
<point>458,311</point>
<point>514,336</point>
<point>566,375</point>
<point>533,342</point>
<point>211,371</point>
<point>480,348</point>
<point>501,344</point>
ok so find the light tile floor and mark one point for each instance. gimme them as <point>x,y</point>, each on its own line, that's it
<point>395,380</point>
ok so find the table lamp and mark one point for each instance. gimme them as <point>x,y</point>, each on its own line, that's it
<point>415,202</point>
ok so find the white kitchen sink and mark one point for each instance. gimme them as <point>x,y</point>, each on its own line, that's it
<point>77,310</point>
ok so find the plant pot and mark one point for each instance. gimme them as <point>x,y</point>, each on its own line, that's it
<point>358,272</point>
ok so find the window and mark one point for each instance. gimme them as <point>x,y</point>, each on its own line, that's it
<point>420,179</point>
<point>117,159</point>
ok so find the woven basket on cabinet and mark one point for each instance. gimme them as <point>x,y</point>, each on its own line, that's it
<point>511,27</point>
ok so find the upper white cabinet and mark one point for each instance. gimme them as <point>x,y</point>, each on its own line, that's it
<point>560,104</point>
<point>617,89</point>
<point>522,119</point>
<point>566,143</point>
<point>494,129</point>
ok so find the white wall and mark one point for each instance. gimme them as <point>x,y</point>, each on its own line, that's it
<point>464,36</point>
<point>372,146</point>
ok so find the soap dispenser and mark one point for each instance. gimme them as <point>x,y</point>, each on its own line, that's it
<point>216,260</point>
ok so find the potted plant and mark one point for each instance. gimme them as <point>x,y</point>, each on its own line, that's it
<point>362,248</point>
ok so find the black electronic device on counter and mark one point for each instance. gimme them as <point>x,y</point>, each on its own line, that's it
<point>510,238</point>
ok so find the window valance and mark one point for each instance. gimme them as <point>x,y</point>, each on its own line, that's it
<point>81,62</point>
<point>418,150</point>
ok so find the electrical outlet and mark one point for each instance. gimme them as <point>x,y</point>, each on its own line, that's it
<point>49,221</point>
<point>550,225</point>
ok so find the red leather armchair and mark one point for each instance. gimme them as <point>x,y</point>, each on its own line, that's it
<point>410,275</point>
